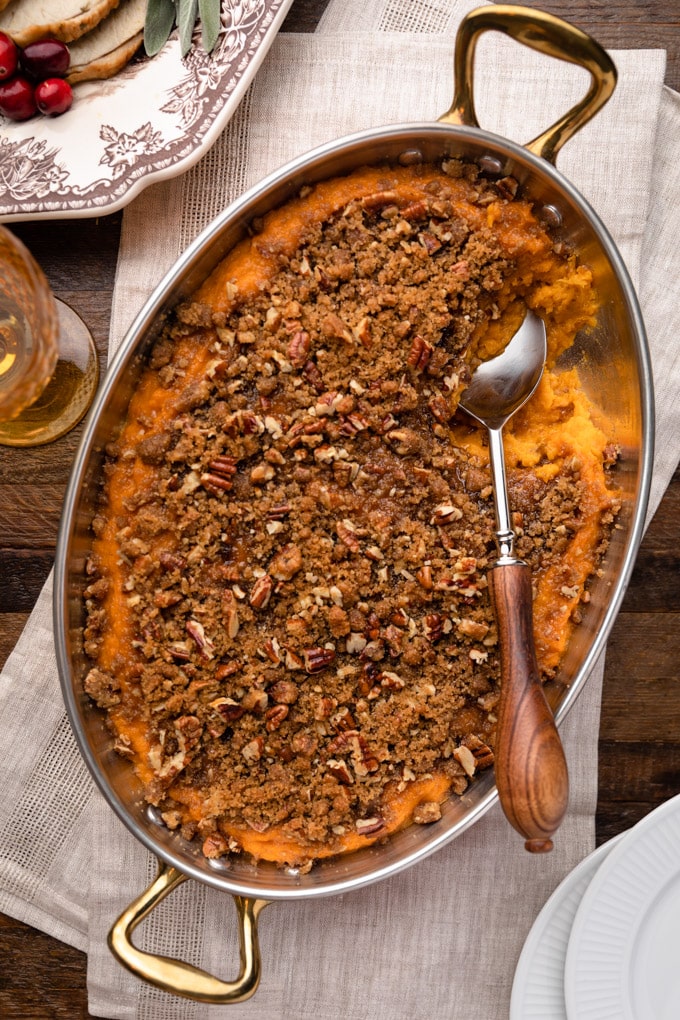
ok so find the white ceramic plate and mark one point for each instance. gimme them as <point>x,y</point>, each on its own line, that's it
<point>150,122</point>
<point>538,986</point>
<point>623,958</point>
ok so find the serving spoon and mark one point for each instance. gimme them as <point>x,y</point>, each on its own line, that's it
<point>531,770</point>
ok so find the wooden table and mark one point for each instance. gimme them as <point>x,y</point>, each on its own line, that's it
<point>639,751</point>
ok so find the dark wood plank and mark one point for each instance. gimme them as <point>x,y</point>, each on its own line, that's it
<point>11,626</point>
<point>649,24</point>
<point>40,978</point>
<point>23,572</point>
<point>304,15</point>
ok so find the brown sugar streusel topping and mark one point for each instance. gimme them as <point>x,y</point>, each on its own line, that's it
<point>301,557</point>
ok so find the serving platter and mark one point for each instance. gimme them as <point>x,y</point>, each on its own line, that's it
<point>148,123</point>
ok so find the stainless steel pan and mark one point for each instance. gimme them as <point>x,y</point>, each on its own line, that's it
<point>616,371</point>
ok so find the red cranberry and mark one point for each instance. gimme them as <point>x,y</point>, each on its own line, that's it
<point>46,58</point>
<point>9,56</point>
<point>53,96</point>
<point>16,98</point>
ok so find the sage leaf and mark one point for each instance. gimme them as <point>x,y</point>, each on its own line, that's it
<point>186,19</point>
<point>209,12</point>
<point>158,24</point>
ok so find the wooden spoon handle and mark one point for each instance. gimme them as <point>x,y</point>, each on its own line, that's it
<point>531,770</point>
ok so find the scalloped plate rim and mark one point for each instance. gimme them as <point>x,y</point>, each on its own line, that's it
<point>192,114</point>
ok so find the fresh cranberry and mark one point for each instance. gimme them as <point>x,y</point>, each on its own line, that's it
<point>53,96</point>
<point>16,98</point>
<point>9,56</point>
<point>46,58</point>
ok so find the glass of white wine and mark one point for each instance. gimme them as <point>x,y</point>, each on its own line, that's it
<point>48,362</point>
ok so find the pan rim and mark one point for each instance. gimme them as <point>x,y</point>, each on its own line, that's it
<point>155,307</point>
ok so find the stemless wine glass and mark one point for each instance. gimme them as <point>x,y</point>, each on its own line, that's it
<point>48,361</point>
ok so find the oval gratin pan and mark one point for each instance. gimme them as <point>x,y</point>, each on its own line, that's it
<point>616,371</point>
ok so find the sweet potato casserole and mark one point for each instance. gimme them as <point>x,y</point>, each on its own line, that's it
<point>287,608</point>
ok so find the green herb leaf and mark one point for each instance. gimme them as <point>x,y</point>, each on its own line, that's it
<point>209,11</point>
<point>186,19</point>
<point>158,24</point>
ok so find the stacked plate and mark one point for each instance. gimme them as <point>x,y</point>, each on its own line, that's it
<point>606,945</point>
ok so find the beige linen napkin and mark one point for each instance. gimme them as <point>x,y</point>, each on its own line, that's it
<point>442,939</point>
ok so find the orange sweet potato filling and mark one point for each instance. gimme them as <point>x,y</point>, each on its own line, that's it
<point>554,429</point>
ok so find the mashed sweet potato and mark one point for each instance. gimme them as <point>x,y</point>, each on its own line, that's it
<point>287,610</point>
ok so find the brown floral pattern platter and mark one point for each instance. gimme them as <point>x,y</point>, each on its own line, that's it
<point>150,122</point>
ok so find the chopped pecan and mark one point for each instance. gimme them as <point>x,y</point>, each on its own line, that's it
<point>286,562</point>
<point>482,753</point>
<point>304,743</point>
<point>229,709</point>
<point>317,659</point>
<point>171,561</point>
<point>446,513</point>
<point>391,681</point>
<point>215,846</point>
<point>472,628</point>
<point>340,771</point>
<point>507,187</point>
<point>363,759</point>
<point>274,716</point>
<point>255,701</point>
<point>272,650</point>
<point>298,348</point>
<point>261,592</point>
<point>424,577</point>
<point>230,614</point>
<point>325,707</point>
<point>427,812</point>
<point>313,376</point>
<point>284,692</point>
<point>262,473</point>
<point>343,720</point>
<point>252,751</point>
<point>205,646</point>
<point>429,241</point>
<point>102,688</point>
<point>420,354</point>
<point>333,326</point>
<point>279,513</point>
<point>369,826</point>
<point>347,533</point>
<point>440,409</point>
<point>434,626</point>
<point>466,758</point>
<point>219,476</point>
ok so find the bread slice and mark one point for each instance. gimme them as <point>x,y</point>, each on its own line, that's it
<point>102,52</point>
<point>27,21</point>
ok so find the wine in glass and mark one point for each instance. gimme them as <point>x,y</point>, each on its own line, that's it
<point>48,361</point>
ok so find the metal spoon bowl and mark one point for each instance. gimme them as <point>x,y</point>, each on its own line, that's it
<point>531,770</point>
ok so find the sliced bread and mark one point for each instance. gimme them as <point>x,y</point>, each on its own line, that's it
<point>111,45</point>
<point>29,20</point>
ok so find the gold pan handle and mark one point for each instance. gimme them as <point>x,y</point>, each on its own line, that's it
<point>549,35</point>
<point>182,978</point>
